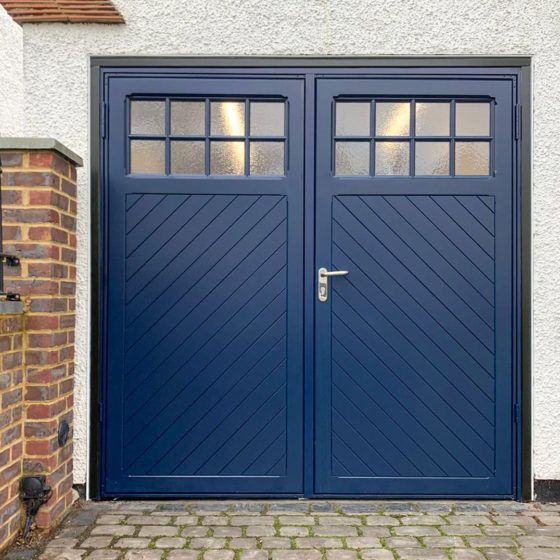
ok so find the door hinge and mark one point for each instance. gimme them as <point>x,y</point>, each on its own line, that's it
<point>517,413</point>
<point>517,122</point>
<point>103,119</point>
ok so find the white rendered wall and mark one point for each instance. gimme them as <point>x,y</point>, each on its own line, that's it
<point>11,76</point>
<point>56,62</point>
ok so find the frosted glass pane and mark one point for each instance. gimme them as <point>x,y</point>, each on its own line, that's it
<point>392,158</point>
<point>187,158</point>
<point>352,158</point>
<point>392,118</point>
<point>147,156</point>
<point>472,158</point>
<point>267,119</point>
<point>353,119</point>
<point>227,158</point>
<point>227,118</point>
<point>147,117</point>
<point>267,158</point>
<point>473,119</point>
<point>432,158</point>
<point>432,119</point>
<point>187,118</point>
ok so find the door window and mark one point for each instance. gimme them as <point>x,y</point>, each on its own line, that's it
<point>207,137</point>
<point>416,137</point>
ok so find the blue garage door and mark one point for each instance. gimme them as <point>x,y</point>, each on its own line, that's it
<point>414,344</point>
<point>412,272</point>
<point>204,329</point>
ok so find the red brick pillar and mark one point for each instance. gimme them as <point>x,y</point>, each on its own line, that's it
<point>11,423</point>
<point>38,184</point>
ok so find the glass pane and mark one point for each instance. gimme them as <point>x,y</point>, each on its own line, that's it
<point>432,119</point>
<point>187,158</point>
<point>267,119</point>
<point>227,158</point>
<point>392,158</point>
<point>473,119</point>
<point>147,117</point>
<point>432,158</point>
<point>392,119</point>
<point>147,156</point>
<point>187,118</point>
<point>352,119</point>
<point>267,158</point>
<point>352,158</point>
<point>472,158</point>
<point>227,118</point>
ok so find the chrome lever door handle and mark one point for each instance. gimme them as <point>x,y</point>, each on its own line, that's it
<point>323,281</point>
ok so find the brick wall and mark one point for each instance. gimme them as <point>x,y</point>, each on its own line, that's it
<point>11,423</point>
<point>39,225</point>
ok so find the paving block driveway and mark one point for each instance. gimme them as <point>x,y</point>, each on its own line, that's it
<point>308,530</point>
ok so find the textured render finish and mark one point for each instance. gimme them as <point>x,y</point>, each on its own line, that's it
<point>57,92</point>
<point>11,72</point>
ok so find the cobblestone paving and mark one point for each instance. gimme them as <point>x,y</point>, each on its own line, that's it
<point>308,530</point>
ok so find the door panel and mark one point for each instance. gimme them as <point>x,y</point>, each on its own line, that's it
<point>414,374</point>
<point>204,287</point>
<point>413,381</point>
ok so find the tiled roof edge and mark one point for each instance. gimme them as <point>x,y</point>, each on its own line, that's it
<point>66,11</point>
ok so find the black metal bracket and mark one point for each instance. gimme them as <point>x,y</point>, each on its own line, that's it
<point>8,260</point>
<point>10,296</point>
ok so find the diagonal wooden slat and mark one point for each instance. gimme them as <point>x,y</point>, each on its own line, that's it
<point>257,441</point>
<point>203,263</point>
<point>467,222</point>
<point>214,453</point>
<point>440,241</point>
<point>431,418</point>
<point>359,464</point>
<point>415,277</point>
<point>423,381</point>
<point>157,221</point>
<point>273,455</point>
<point>421,311</point>
<point>200,361</point>
<point>206,356</point>
<point>441,375</point>
<point>190,442</point>
<point>382,398</point>
<point>380,408</point>
<point>204,318</point>
<point>408,342</point>
<point>364,448</point>
<point>462,242</point>
<point>430,265</point>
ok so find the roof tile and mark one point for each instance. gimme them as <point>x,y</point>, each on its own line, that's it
<point>68,11</point>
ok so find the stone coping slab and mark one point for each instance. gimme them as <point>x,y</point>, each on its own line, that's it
<point>30,143</point>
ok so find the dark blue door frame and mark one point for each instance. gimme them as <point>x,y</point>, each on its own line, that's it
<point>105,69</point>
